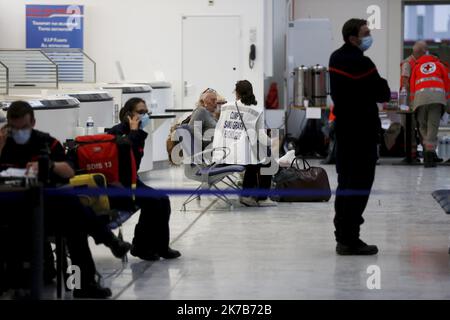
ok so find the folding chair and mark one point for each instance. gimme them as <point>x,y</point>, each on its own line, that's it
<point>199,167</point>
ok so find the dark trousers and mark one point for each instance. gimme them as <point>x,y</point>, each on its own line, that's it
<point>151,233</point>
<point>85,218</point>
<point>253,179</point>
<point>356,173</point>
<point>64,215</point>
<point>75,222</point>
<point>331,157</point>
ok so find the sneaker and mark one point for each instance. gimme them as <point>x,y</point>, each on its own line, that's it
<point>267,203</point>
<point>358,249</point>
<point>92,291</point>
<point>170,254</point>
<point>119,248</point>
<point>248,201</point>
<point>147,256</point>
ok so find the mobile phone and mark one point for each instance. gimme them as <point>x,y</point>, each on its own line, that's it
<point>127,115</point>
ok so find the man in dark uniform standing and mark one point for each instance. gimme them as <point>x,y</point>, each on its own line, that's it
<point>356,87</point>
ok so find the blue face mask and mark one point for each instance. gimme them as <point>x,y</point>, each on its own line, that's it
<point>21,136</point>
<point>366,43</point>
<point>145,120</point>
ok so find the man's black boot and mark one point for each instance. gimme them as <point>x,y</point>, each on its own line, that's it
<point>359,248</point>
<point>429,159</point>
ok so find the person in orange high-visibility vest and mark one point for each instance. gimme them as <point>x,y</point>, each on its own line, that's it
<point>429,88</point>
<point>331,116</point>
<point>331,157</point>
<point>407,66</point>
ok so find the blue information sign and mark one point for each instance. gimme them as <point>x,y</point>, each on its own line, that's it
<point>54,26</point>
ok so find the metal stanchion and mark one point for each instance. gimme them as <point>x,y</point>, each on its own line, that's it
<point>37,255</point>
<point>408,130</point>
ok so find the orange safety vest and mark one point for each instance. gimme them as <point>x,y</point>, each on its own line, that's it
<point>412,63</point>
<point>331,116</point>
<point>430,75</point>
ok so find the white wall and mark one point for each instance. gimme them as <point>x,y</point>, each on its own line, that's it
<point>386,51</point>
<point>268,37</point>
<point>144,35</point>
<point>278,48</point>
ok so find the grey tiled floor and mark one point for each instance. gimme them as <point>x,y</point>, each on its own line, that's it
<point>288,252</point>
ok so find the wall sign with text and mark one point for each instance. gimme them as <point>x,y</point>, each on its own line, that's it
<point>51,26</point>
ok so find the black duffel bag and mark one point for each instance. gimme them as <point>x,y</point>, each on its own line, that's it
<point>311,182</point>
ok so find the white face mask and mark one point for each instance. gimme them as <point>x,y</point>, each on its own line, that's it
<point>21,136</point>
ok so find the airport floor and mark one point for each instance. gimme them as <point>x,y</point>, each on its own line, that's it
<point>288,252</point>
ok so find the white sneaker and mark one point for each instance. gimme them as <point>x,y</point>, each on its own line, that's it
<point>267,203</point>
<point>248,202</point>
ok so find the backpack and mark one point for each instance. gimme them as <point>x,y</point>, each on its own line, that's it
<point>172,141</point>
<point>109,155</point>
<point>99,204</point>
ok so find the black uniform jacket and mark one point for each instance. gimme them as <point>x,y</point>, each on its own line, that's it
<point>136,137</point>
<point>356,87</point>
<point>17,156</point>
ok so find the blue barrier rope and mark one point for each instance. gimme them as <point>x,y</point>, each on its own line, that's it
<point>152,193</point>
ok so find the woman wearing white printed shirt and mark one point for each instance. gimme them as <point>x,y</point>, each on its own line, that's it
<point>239,129</point>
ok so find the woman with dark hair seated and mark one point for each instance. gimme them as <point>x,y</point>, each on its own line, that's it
<point>239,122</point>
<point>151,234</point>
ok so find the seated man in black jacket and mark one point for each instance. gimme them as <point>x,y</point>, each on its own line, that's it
<point>20,147</point>
<point>151,235</point>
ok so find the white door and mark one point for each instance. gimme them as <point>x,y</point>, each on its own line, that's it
<point>211,56</point>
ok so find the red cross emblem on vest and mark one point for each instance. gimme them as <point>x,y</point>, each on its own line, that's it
<point>428,68</point>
